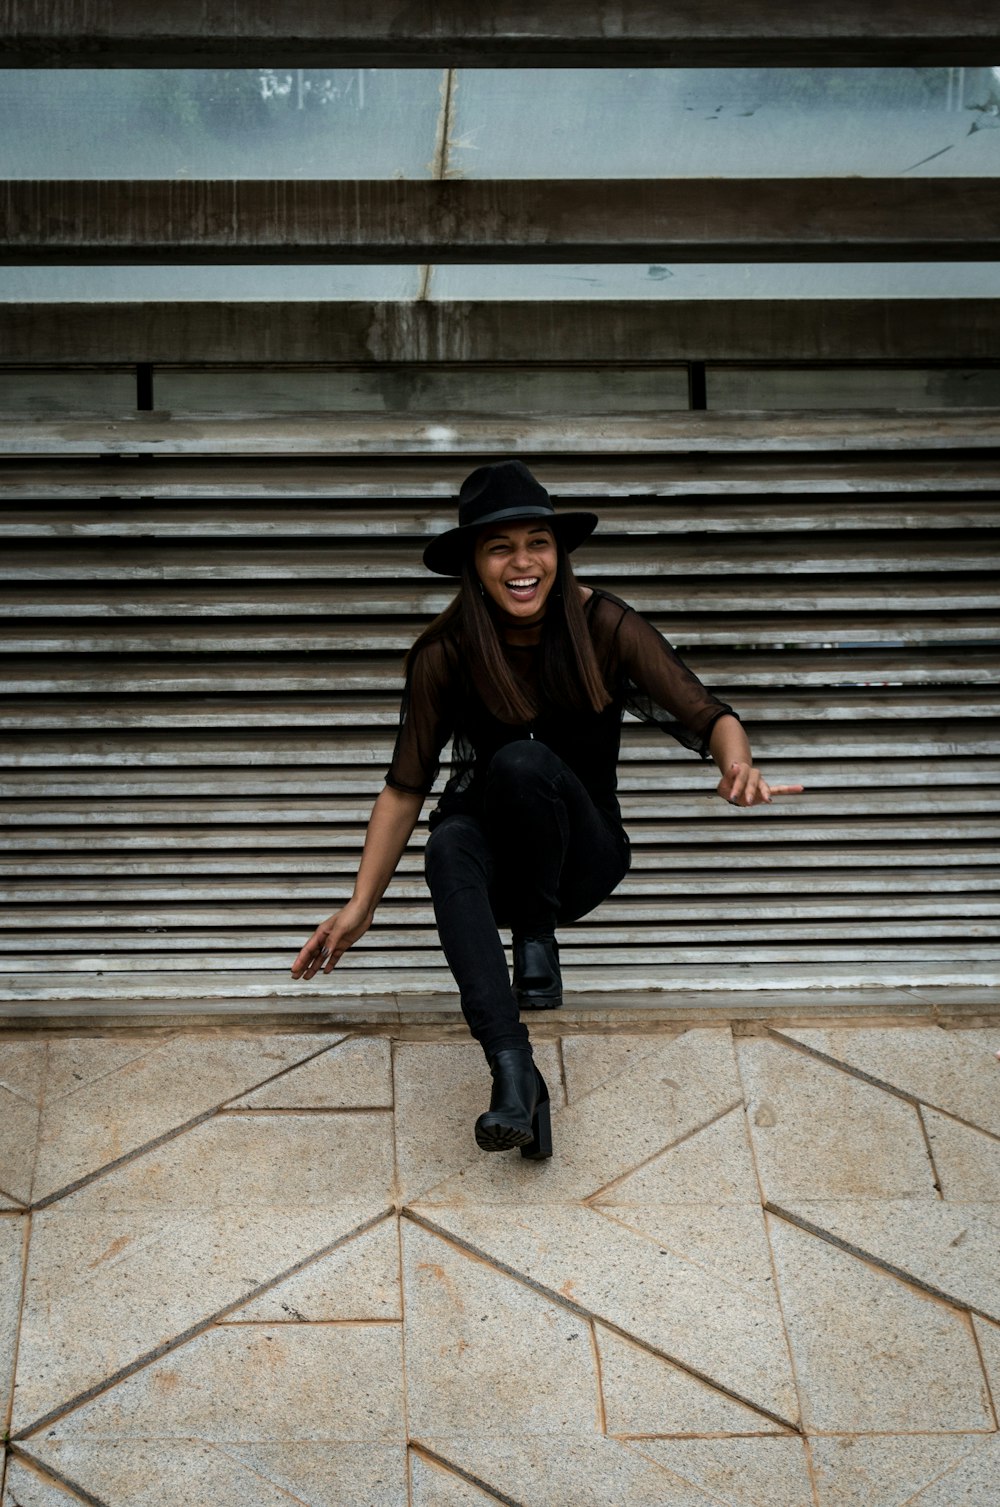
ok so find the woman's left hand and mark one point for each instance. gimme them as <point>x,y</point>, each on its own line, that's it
<point>742,785</point>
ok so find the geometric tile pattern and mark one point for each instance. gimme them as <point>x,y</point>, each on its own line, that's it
<point>820,1133</point>
<point>254,1270</point>
<point>873,1354</point>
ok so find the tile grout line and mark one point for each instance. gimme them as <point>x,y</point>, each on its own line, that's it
<point>48,1473</point>
<point>814,1433</point>
<point>561,1301</point>
<point>218,1447</point>
<point>661,1151</point>
<point>886,1268</point>
<point>671,1032</point>
<point>949,1114</point>
<point>449,1466</point>
<point>308,1323</point>
<point>43,1099</point>
<point>607,1211</point>
<point>561,1059</point>
<point>889,1088</point>
<point>149,1357</point>
<point>947,1472</point>
<point>216,1111</point>
<point>626,1438</point>
<point>155,1046</point>
<point>404,1387</point>
<point>16,1093</point>
<point>128,1156</point>
<point>282,1072</point>
<point>403,1384</point>
<point>675,1476</point>
<point>240,1111</point>
<point>751,1145</point>
<point>961,1433</point>
<point>602,1411</point>
<point>396,1188</point>
<point>25,1213</point>
<point>811,1470</point>
<point>25,1247</point>
<point>939,1187</point>
<point>993,1401</point>
<point>799,1425</point>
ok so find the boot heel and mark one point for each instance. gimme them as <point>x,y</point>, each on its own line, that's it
<point>540,1145</point>
<point>537,980</point>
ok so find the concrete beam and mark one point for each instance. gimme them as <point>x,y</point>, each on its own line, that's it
<point>512,33</point>
<point>611,220</point>
<point>866,329</point>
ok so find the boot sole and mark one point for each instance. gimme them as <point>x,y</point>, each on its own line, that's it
<point>501,1136</point>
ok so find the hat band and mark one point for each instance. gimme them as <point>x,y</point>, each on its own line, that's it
<point>526,510</point>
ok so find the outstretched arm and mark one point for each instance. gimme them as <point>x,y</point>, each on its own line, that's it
<point>394,816</point>
<point>741,783</point>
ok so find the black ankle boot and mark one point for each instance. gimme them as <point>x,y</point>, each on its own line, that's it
<point>537,980</point>
<point>519,1107</point>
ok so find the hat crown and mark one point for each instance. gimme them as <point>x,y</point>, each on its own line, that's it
<point>502,485</point>
<point>503,491</point>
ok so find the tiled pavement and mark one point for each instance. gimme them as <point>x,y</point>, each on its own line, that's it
<point>264,1269</point>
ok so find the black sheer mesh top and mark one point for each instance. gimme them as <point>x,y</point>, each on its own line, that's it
<point>643,674</point>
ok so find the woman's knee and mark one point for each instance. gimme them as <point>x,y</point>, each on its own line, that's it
<point>456,848</point>
<point>522,765</point>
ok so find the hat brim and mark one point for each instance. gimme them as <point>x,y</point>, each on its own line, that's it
<point>445,554</point>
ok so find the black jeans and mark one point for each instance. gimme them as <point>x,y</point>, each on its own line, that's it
<point>541,853</point>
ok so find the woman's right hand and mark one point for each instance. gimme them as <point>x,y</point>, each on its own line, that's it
<point>330,941</point>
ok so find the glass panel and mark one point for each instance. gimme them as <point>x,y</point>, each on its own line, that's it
<point>214,123</point>
<point>491,281</point>
<point>733,122</point>
<point>519,123</point>
<point>721,280</point>
<point>277,284</point>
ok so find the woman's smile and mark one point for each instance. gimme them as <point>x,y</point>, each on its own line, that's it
<point>523,589</point>
<point>517,566</point>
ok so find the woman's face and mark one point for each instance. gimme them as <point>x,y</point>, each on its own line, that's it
<point>516,563</point>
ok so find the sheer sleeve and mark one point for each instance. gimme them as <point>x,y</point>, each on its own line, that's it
<point>426,721</point>
<point>659,687</point>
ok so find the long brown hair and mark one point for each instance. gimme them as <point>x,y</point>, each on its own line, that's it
<point>569,677</point>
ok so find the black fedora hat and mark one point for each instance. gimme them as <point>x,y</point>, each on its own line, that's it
<point>503,492</point>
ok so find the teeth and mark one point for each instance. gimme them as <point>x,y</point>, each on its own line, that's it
<point>529,581</point>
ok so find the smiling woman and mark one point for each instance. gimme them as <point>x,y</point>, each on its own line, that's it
<point>528,550</point>
<point>529,673</point>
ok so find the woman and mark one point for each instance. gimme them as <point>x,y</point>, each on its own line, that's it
<point>529,673</point>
